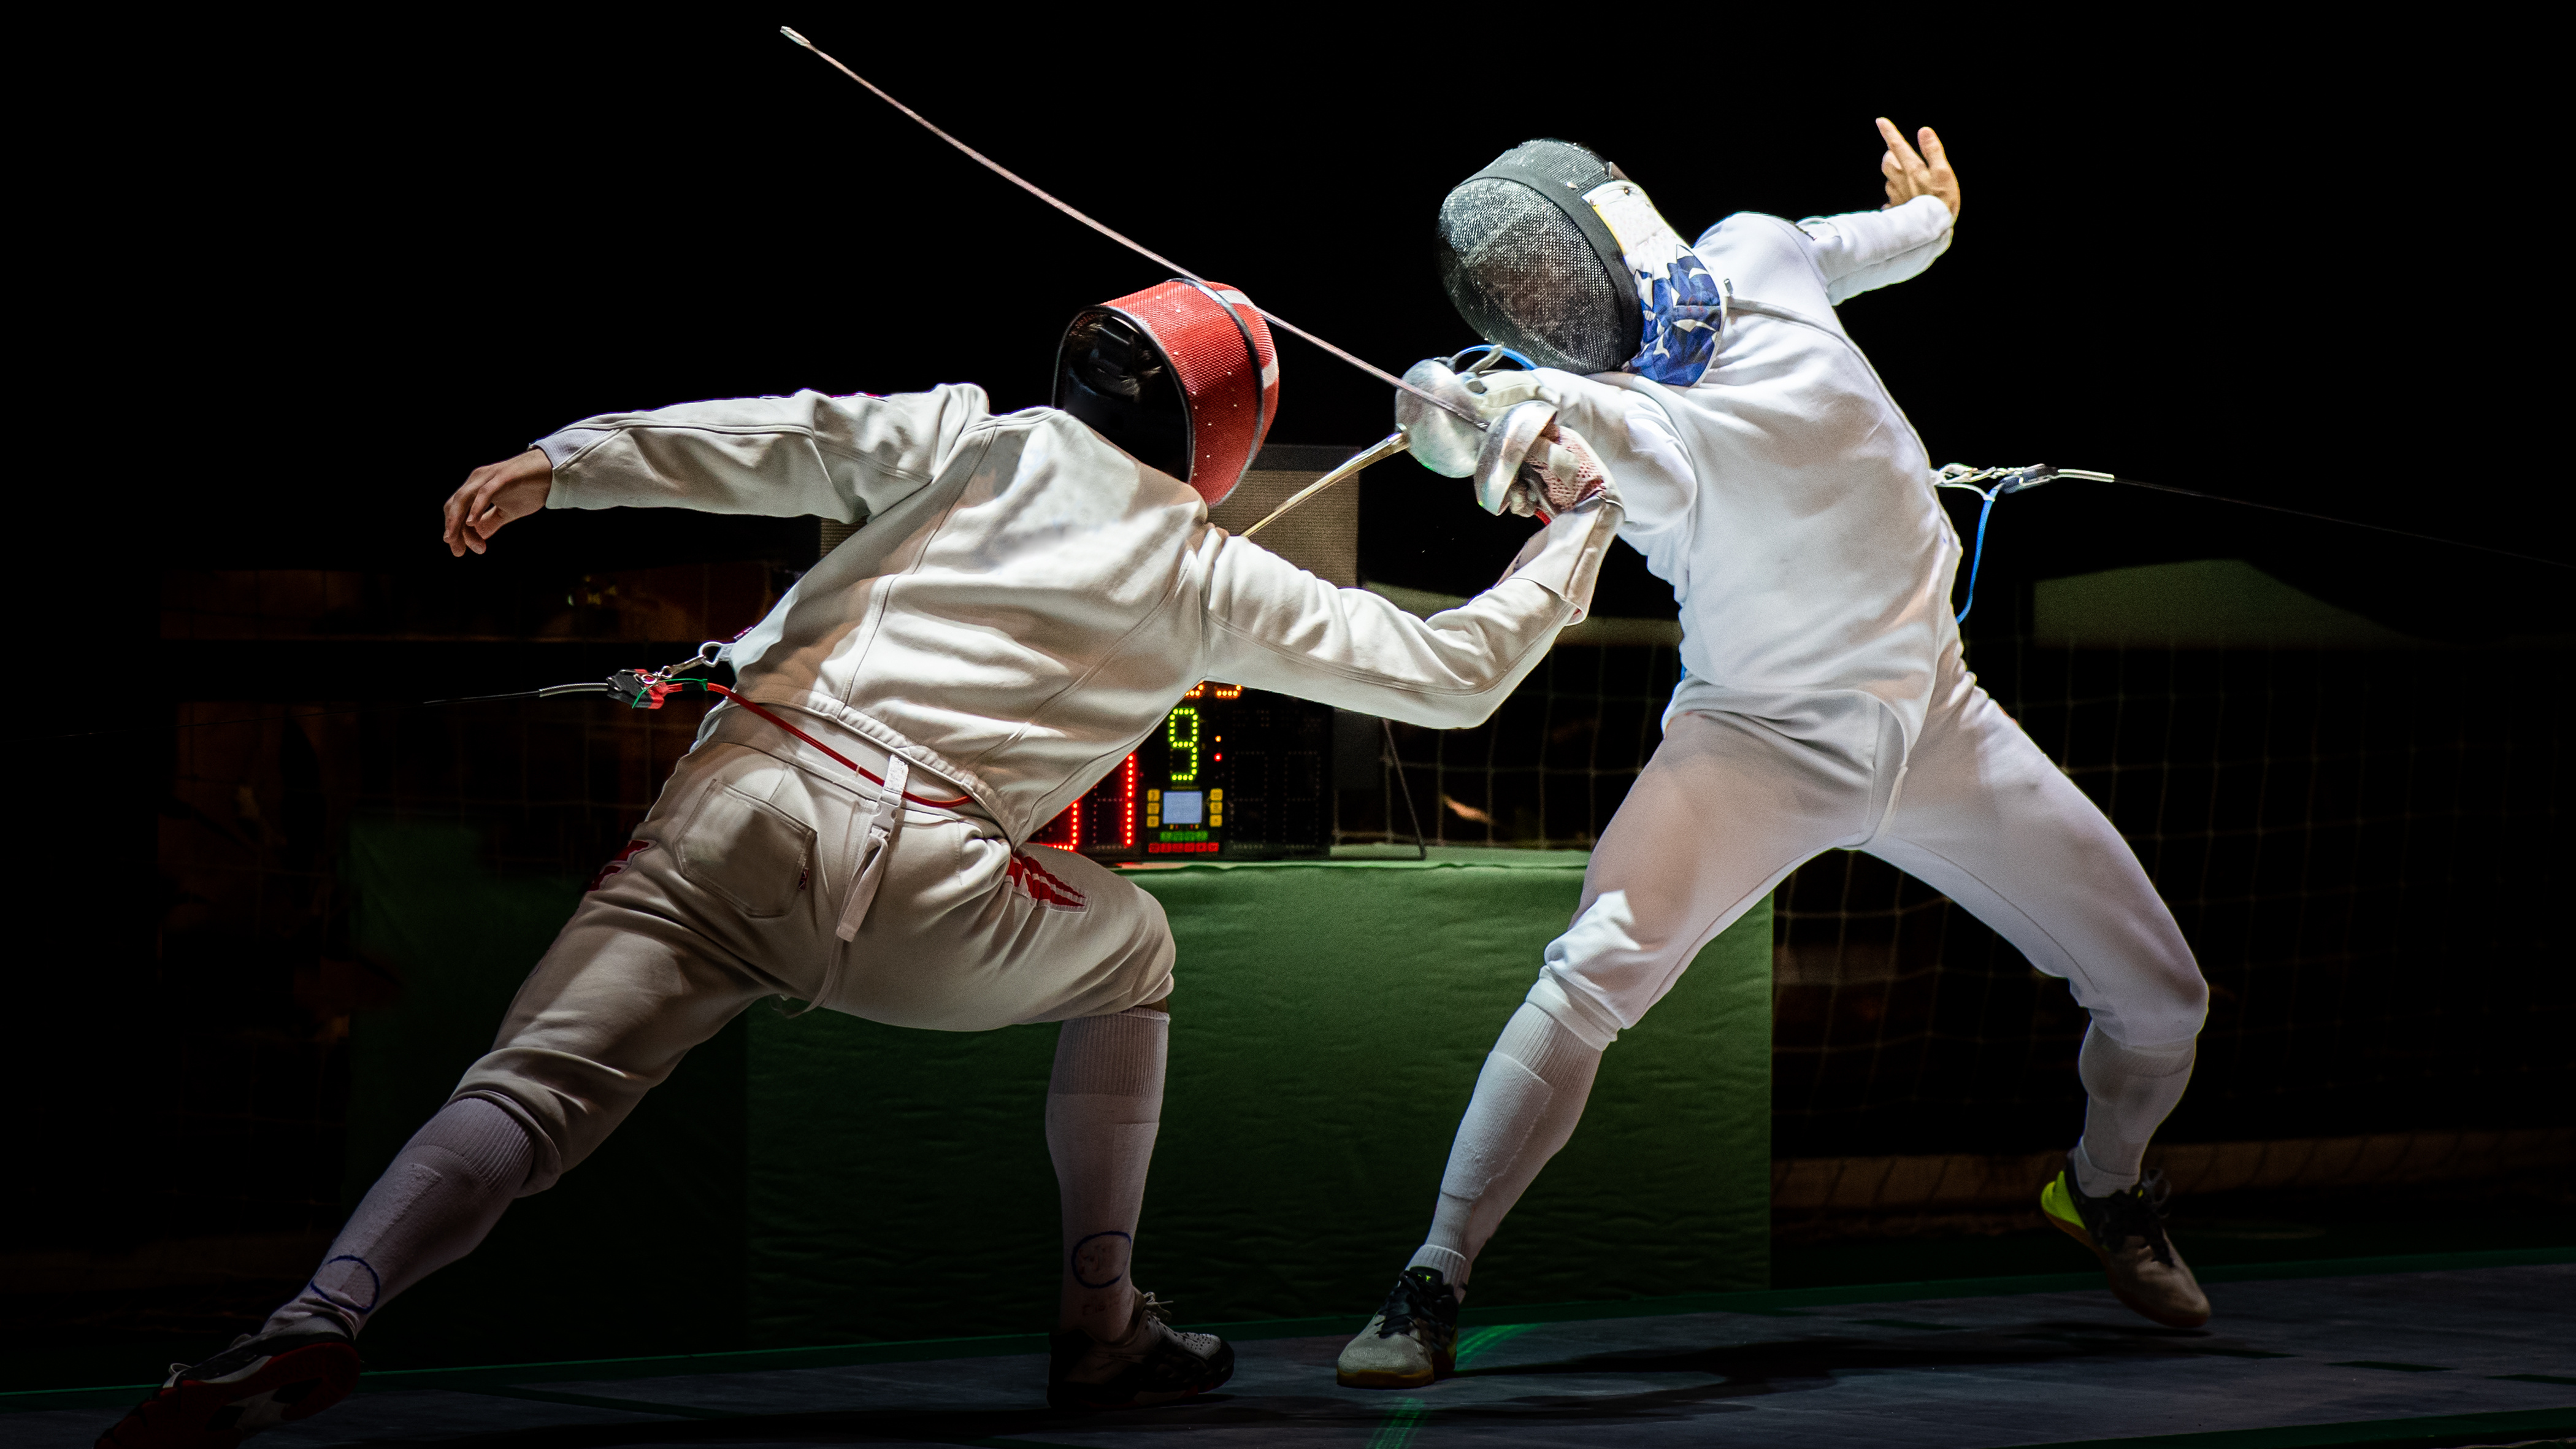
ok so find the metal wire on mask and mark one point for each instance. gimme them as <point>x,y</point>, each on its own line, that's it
<point>1013,177</point>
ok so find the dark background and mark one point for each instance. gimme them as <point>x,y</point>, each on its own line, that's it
<point>2284,268</point>
<point>298,281</point>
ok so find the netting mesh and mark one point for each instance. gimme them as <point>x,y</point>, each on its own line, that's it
<point>258,970</point>
<point>2362,865</point>
<point>2365,864</point>
<point>1523,275</point>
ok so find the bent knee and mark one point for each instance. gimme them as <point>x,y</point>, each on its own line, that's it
<point>569,1106</point>
<point>1615,962</point>
<point>2157,1008</point>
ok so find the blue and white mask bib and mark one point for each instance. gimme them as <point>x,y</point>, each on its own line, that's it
<point>1684,305</point>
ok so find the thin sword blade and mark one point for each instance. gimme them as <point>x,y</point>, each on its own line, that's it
<point>1385,448</point>
<point>1033,189</point>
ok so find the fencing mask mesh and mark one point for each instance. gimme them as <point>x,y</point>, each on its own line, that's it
<point>1552,251</point>
<point>1523,272</point>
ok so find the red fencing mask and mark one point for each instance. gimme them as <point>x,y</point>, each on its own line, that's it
<point>1182,376</point>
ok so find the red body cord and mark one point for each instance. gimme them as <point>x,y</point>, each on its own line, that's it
<point>871,776</point>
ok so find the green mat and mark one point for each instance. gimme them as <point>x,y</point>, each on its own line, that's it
<point>827,1179</point>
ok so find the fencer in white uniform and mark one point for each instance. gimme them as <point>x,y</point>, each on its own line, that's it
<point>1023,605</point>
<point>1771,479</point>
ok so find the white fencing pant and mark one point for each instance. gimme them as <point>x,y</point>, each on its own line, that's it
<point>734,890</point>
<point>1730,804</point>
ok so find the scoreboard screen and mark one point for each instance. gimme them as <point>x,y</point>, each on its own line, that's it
<point>1231,772</point>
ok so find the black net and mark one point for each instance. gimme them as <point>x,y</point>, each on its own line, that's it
<point>2361,860</point>
<point>256,971</point>
<point>2360,848</point>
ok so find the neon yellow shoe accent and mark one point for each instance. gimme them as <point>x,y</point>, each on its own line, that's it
<point>2055,1201</point>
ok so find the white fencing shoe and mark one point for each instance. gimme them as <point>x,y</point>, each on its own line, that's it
<point>1412,1339</point>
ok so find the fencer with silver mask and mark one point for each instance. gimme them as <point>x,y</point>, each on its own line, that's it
<point>1771,479</point>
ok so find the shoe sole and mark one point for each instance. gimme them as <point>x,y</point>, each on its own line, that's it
<point>1382,1379</point>
<point>1218,1373</point>
<point>182,1416</point>
<point>1443,1366</point>
<point>2143,1310</point>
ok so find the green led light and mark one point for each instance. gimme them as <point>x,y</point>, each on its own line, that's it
<point>1172,736</point>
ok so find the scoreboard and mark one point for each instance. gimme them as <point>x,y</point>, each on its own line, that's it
<point>1230,773</point>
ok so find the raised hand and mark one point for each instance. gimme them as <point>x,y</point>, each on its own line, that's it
<point>1911,173</point>
<point>493,495</point>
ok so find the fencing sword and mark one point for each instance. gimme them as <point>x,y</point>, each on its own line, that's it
<point>1387,447</point>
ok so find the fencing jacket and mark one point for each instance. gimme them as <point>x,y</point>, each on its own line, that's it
<point>1785,497</point>
<point>1026,601</point>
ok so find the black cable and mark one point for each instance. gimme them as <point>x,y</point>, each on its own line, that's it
<point>2329,518</point>
<point>207,724</point>
<point>553,691</point>
<point>1396,762</point>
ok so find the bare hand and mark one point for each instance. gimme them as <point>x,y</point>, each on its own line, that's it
<point>1911,174</point>
<point>493,495</point>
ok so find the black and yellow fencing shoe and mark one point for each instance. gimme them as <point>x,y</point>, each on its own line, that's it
<point>1411,1340</point>
<point>2126,1230</point>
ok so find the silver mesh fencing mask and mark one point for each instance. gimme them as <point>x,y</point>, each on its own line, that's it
<point>1553,252</point>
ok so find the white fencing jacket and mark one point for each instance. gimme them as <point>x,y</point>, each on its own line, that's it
<point>1785,497</point>
<point>1026,601</point>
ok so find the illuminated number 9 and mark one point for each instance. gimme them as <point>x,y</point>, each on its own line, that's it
<point>1172,735</point>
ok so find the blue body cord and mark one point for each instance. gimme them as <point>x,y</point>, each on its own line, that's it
<point>1977,558</point>
<point>1496,347</point>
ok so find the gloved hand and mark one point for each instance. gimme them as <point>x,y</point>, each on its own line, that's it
<point>1442,441</point>
<point>1560,474</point>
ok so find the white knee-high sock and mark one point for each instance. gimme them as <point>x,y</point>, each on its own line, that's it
<point>2129,1090</point>
<point>1104,1105</point>
<point>444,1191</point>
<point>1527,1100</point>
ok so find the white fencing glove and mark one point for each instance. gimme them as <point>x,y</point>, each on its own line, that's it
<point>1532,464</point>
<point>1559,475</point>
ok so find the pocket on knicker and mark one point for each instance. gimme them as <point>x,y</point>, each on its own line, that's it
<point>747,851</point>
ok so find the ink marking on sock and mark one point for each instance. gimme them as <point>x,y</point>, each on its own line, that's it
<point>375,1293</point>
<point>1087,1259</point>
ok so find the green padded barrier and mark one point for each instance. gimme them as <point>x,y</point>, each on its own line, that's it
<point>825,1179</point>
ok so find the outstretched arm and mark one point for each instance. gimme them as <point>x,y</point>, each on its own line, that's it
<point>1862,250</point>
<point>844,458</point>
<point>1274,626</point>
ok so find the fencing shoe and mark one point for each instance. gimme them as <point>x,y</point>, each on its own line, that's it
<point>1412,1340</point>
<point>258,1383</point>
<point>1154,1364</point>
<point>2126,1230</point>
